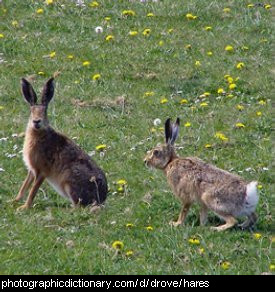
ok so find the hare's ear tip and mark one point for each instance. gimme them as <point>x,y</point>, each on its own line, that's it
<point>178,121</point>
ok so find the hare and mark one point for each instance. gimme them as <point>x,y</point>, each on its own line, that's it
<point>53,157</point>
<point>193,180</point>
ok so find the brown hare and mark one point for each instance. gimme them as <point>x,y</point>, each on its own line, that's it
<point>193,180</point>
<point>53,157</point>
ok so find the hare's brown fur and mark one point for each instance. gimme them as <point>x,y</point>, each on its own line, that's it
<point>52,156</point>
<point>193,180</point>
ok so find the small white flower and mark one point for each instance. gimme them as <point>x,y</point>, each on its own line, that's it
<point>157,122</point>
<point>14,135</point>
<point>265,169</point>
<point>80,3</point>
<point>2,169</point>
<point>99,29</point>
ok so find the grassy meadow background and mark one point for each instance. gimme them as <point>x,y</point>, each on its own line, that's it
<point>207,62</point>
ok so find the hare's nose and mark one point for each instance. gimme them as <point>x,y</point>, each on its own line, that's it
<point>37,123</point>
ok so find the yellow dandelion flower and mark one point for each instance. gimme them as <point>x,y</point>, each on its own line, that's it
<point>120,189</point>
<point>49,2</point>
<point>239,125</point>
<point>183,101</point>
<point>170,30</point>
<point>164,100</point>
<point>146,31</point>
<point>229,48</point>
<point>129,225</point>
<point>129,253</point>
<point>107,18</point>
<point>133,33</point>
<point>230,95</point>
<point>239,107</point>
<point>109,38</point>
<point>70,57</point>
<point>86,63</point>
<point>197,63</point>
<point>118,245</point>
<point>52,54</point>
<point>220,91</point>
<point>232,86</point>
<point>149,228</point>
<point>221,136</point>
<point>210,53</point>
<point>267,6</point>
<point>230,79</point>
<point>96,77</point>
<point>272,267</point>
<point>190,16</point>
<point>14,23</point>
<point>201,250</point>
<point>194,241</point>
<point>257,236</point>
<point>128,13</point>
<point>245,48</point>
<point>225,265</point>
<point>259,187</point>
<point>262,102</point>
<point>149,93</point>
<point>250,5</point>
<point>1,107</point>
<point>187,124</point>
<point>122,182</point>
<point>101,147</point>
<point>226,10</point>
<point>203,104</point>
<point>240,65</point>
<point>94,4</point>
<point>150,14</point>
<point>258,114</point>
<point>188,47</point>
<point>207,145</point>
<point>207,28</point>
<point>161,43</point>
<point>40,11</point>
<point>41,73</point>
<point>2,35</point>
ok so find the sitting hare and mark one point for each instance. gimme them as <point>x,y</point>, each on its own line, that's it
<point>52,156</point>
<point>191,179</point>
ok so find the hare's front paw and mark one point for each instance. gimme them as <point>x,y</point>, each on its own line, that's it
<point>175,223</point>
<point>23,207</point>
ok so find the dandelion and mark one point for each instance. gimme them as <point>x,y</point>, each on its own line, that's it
<point>250,5</point>
<point>109,38</point>
<point>70,57</point>
<point>188,47</point>
<point>201,250</point>
<point>52,54</point>
<point>129,225</point>
<point>40,11</point>
<point>262,102</point>
<point>220,91</point>
<point>239,107</point>
<point>240,65</point>
<point>118,245</point>
<point>157,122</point>
<point>207,28</point>
<point>101,147</point>
<point>221,136</point>
<point>128,13</point>
<point>94,4</point>
<point>133,33</point>
<point>230,95</point>
<point>258,114</point>
<point>229,48</point>
<point>207,146</point>
<point>210,53</point>
<point>203,104</point>
<point>225,265</point>
<point>272,267</point>
<point>41,73</point>
<point>229,79</point>
<point>122,182</point>
<point>86,63</point>
<point>197,63</point>
<point>259,187</point>
<point>183,101</point>
<point>170,30</point>
<point>190,16</point>
<point>187,124</point>
<point>267,6</point>
<point>99,29</point>
<point>232,86</point>
<point>226,10</point>
<point>161,43</point>
<point>245,48</point>
<point>2,35</point>
<point>257,236</point>
<point>96,77</point>
<point>146,31</point>
<point>149,93</point>
<point>150,14</point>
<point>14,23</point>
<point>240,125</point>
<point>49,2</point>
<point>1,107</point>
<point>149,228</point>
<point>129,253</point>
<point>164,100</point>
<point>194,241</point>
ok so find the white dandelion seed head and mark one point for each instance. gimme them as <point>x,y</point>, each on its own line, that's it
<point>99,29</point>
<point>157,122</point>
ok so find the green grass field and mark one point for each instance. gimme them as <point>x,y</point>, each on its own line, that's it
<point>208,62</point>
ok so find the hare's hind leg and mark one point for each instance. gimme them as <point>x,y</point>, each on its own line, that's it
<point>249,222</point>
<point>26,184</point>
<point>230,221</point>
<point>36,185</point>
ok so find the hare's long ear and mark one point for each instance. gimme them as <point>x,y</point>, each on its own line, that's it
<point>28,92</point>
<point>48,92</point>
<point>175,131</point>
<point>168,131</point>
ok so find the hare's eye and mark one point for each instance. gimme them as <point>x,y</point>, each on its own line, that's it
<point>156,153</point>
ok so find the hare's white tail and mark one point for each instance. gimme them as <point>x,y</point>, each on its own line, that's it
<point>252,198</point>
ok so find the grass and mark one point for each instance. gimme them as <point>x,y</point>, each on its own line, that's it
<point>141,78</point>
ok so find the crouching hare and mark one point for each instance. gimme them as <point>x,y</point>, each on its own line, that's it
<point>53,157</point>
<point>193,180</point>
